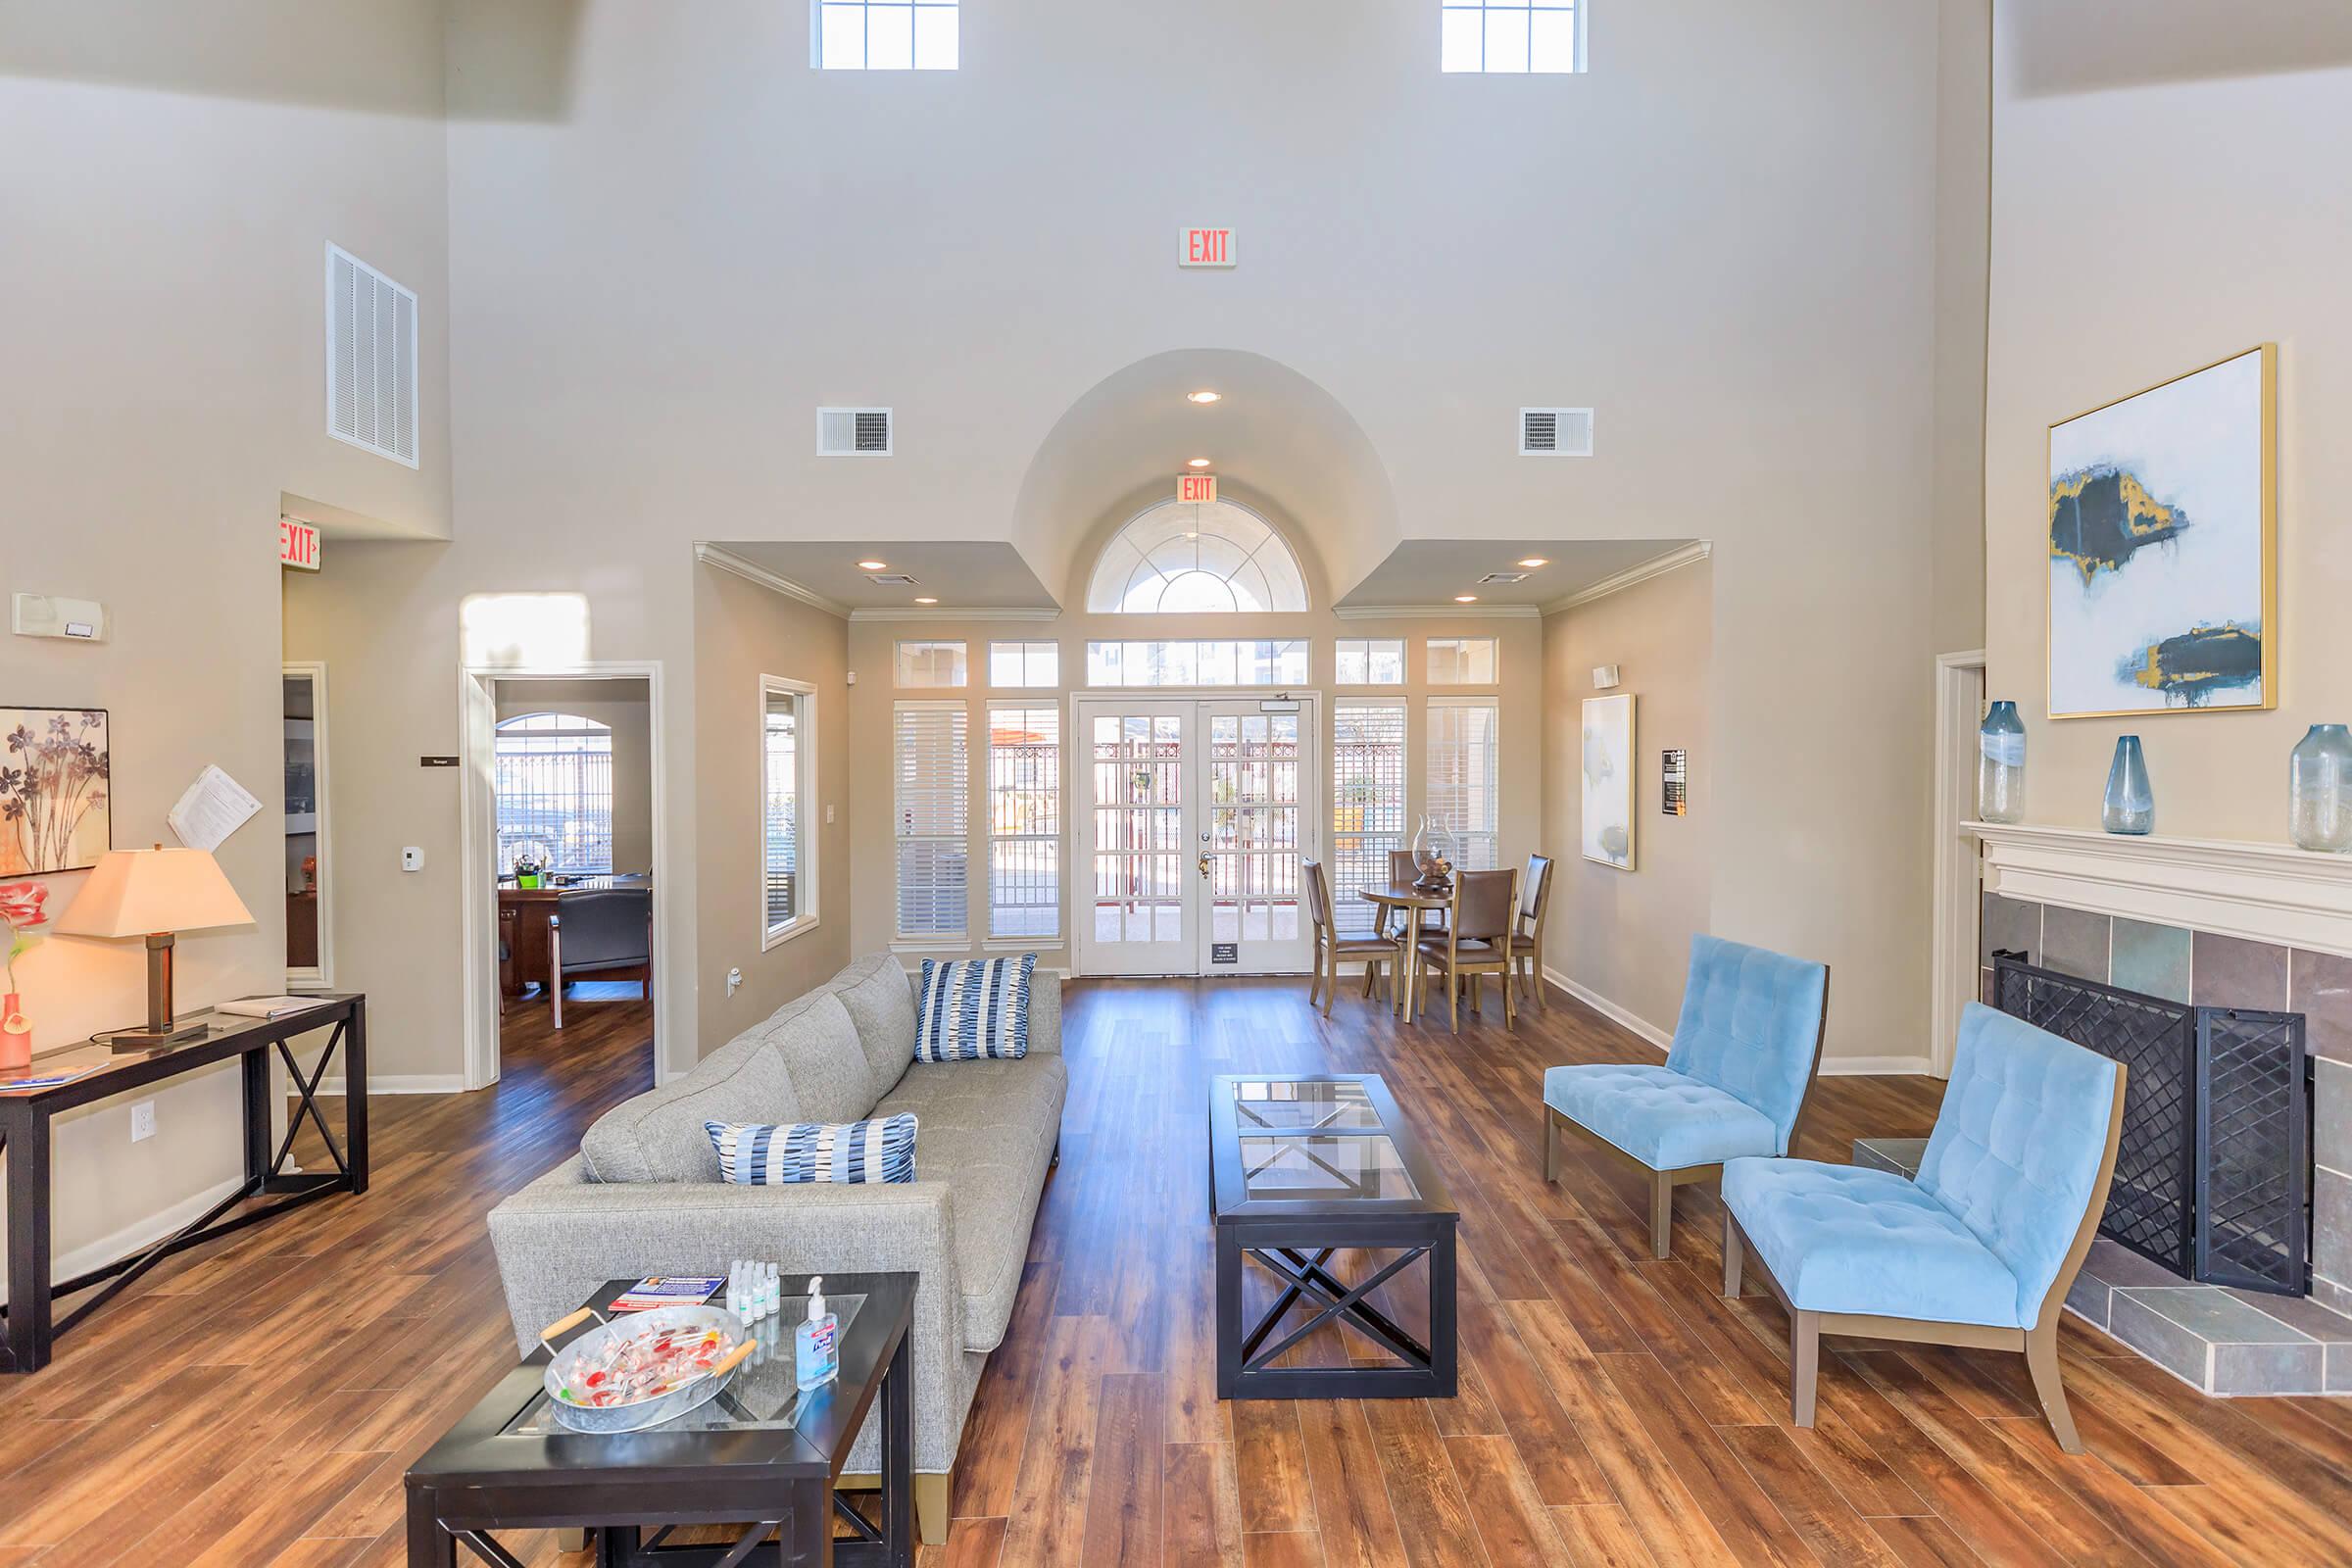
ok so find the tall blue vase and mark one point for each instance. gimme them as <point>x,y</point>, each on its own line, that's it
<point>2131,805</point>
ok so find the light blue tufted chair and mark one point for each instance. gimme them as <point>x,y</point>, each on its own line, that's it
<point>1979,1250</point>
<point>1743,1053</point>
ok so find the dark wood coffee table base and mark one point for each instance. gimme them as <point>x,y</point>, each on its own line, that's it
<point>1299,1252</point>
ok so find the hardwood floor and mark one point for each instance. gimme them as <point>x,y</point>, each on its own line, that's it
<point>257,1403</point>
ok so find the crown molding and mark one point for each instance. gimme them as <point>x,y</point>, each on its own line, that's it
<point>1028,612</point>
<point>727,561</point>
<point>1436,612</point>
<point>1655,567</point>
<point>2259,892</point>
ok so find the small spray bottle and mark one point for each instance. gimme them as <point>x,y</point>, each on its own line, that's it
<point>817,1343</point>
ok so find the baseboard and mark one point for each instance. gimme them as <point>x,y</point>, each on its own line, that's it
<point>408,1083</point>
<point>1873,1066</point>
<point>138,1233</point>
<point>1623,1017</point>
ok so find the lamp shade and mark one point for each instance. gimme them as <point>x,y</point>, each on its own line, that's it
<point>137,893</point>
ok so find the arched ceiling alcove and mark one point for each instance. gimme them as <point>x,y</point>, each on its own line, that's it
<point>1275,437</point>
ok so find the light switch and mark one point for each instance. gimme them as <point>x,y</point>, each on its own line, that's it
<point>411,858</point>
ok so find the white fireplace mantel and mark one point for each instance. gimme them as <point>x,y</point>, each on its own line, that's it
<point>2262,892</point>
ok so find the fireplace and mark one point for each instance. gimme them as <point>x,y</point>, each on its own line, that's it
<point>2213,1176</point>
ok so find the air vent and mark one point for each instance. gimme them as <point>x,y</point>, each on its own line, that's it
<point>1504,577</point>
<point>371,359</point>
<point>1556,433</point>
<point>853,432</point>
<point>890,579</point>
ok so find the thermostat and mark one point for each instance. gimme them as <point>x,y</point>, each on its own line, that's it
<point>47,615</point>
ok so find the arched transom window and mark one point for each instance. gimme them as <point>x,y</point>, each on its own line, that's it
<point>1186,559</point>
<point>554,784</point>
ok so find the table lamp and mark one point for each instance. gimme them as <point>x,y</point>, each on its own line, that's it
<point>154,893</point>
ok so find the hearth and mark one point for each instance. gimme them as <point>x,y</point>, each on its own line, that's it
<point>2213,1177</point>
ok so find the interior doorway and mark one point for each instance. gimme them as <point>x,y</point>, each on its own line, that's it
<point>1193,815</point>
<point>1959,859</point>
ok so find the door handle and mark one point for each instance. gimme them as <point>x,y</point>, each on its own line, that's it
<point>1205,865</point>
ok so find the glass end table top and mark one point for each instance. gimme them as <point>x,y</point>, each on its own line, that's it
<point>761,1394</point>
<point>1322,1105</point>
<point>1359,1166</point>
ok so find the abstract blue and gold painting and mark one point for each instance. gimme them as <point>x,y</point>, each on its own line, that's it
<point>2160,530</point>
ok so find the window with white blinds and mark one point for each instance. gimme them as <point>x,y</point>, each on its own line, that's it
<point>1464,794</point>
<point>788,777</point>
<point>1367,806</point>
<point>932,800</point>
<point>1024,822</point>
<point>553,787</point>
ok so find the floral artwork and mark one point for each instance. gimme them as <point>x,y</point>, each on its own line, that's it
<point>54,812</point>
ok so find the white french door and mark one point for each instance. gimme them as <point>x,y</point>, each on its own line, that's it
<point>1193,817</point>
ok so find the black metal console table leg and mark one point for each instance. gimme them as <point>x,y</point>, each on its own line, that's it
<point>26,1139</point>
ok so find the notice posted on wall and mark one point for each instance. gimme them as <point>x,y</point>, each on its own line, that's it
<point>212,808</point>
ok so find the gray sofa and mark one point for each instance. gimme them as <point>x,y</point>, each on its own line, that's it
<point>644,1193</point>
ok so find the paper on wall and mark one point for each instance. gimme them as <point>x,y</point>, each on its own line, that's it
<point>214,807</point>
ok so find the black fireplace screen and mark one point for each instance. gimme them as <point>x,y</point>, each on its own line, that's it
<point>2213,1174</point>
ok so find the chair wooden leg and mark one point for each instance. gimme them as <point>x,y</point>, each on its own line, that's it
<point>1453,1000</point>
<point>1534,983</point>
<point>1510,1006</point>
<point>2041,1359</point>
<point>1732,1247</point>
<point>1662,1213</point>
<point>1804,1364</point>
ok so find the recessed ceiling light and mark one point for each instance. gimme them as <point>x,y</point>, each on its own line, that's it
<point>1197,463</point>
<point>1465,598</point>
<point>1203,396</point>
<point>873,566</point>
<point>1533,562</point>
<point>926,601</point>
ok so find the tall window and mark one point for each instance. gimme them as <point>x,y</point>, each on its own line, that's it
<point>1463,765</point>
<point>554,775</point>
<point>788,779</point>
<point>1461,661</point>
<point>1024,822</point>
<point>1367,805</point>
<point>1511,35</point>
<point>887,36</point>
<point>933,812</point>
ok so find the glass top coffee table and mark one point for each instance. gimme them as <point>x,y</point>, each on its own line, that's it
<point>1304,1169</point>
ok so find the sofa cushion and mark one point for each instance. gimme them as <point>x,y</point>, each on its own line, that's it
<point>754,1155</point>
<point>1846,1239</point>
<point>1660,1117</point>
<point>881,1005</point>
<point>819,1045</point>
<point>658,1137</point>
<point>973,1009</point>
<point>990,1129</point>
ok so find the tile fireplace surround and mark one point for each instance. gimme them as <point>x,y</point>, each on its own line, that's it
<point>2209,924</point>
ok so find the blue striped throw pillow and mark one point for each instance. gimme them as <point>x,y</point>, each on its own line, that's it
<point>973,1009</point>
<point>753,1156</point>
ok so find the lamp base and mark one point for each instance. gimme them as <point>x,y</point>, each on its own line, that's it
<point>126,1041</point>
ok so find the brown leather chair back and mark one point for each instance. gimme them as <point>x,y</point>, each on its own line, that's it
<point>1534,889</point>
<point>1485,904</point>
<point>1401,869</point>
<point>1318,894</point>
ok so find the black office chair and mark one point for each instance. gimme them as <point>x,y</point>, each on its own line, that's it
<point>592,932</point>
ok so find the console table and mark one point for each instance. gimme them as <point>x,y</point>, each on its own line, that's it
<point>25,1135</point>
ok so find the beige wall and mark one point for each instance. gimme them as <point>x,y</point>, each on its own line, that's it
<point>2233,185</point>
<point>1963,260</point>
<point>1625,936</point>
<point>741,632</point>
<point>621,706</point>
<point>169,199</point>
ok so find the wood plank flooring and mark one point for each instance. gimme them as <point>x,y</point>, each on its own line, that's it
<point>257,1402</point>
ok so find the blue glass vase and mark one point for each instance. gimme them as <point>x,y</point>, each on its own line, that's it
<point>2131,803</point>
<point>2001,766</point>
<point>2319,790</point>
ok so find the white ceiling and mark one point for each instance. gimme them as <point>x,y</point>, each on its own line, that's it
<point>960,573</point>
<point>1432,572</point>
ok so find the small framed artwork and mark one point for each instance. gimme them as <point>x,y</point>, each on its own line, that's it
<point>1674,782</point>
<point>2162,548</point>
<point>54,784</point>
<point>1609,781</point>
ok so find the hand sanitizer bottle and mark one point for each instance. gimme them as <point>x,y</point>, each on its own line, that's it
<point>816,1344</point>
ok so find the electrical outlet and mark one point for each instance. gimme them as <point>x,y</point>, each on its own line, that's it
<point>142,1121</point>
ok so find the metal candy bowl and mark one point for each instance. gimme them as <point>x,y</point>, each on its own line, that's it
<point>665,1401</point>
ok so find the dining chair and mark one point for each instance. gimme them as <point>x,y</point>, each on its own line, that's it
<point>1535,902</point>
<point>1978,1249</point>
<point>1403,872</point>
<point>1476,941</point>
<point>1377,952</point>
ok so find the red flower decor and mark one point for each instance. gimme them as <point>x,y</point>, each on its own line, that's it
<point>21,904</point>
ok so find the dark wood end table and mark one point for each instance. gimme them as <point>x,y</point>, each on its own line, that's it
<point>758,1457</point>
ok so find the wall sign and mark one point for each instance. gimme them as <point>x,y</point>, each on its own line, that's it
<point>1224,953</point>
<point>1674,793</point>
<point>1200,487</point>
<point>297,544</point>
<point>1204,247</point>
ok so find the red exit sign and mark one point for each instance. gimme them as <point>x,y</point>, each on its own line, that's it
<point>1204,247</point>
<point>1198,488</point>
<point>297,544</point>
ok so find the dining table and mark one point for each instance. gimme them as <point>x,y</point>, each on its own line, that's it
<point>1411,897</point>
